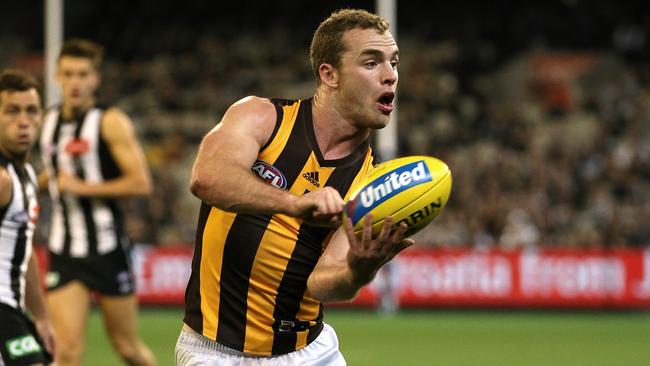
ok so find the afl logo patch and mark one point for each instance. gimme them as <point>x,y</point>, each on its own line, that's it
<point>269,174</point>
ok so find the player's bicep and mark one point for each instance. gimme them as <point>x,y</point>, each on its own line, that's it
<point>123,144</point>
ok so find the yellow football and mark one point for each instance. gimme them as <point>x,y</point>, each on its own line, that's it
<point>412,189</point>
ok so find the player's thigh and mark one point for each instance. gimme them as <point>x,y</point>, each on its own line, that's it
<point>69,306</point>
<point>120,314</point>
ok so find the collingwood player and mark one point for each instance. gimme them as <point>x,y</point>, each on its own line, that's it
<point>92,158</point>
<point>22,341</point>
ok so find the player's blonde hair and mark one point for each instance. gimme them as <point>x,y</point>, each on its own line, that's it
<point>327,44</point>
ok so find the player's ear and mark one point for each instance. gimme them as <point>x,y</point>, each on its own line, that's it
<point>329,75</point>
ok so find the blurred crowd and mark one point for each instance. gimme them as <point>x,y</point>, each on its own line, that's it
<point>547,146</point>
<point>551,148</point>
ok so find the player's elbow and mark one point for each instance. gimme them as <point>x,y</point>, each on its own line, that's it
<point>146,187</point>
<point>203,187</point>
<point>198,185</point>
<point>326,292</point>
<point>325,296</point>
<point>316,291</point>
<point>141,185</point>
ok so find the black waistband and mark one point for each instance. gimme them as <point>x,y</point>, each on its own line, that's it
<point>293,325</point>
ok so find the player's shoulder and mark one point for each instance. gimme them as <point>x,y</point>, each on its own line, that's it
<point>4,174</point>
<point>260,108</point>
<point>114,113</point>
<point>115,125</point>
<point>253,116</point>
<point>252,109</point>
<point>254,105</point>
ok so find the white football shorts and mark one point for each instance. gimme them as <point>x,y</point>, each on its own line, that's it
<point>193,349</point>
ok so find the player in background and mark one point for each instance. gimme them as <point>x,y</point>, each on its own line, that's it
<point>92,159</point>
<point>23,341</point>
<point>272,177</point>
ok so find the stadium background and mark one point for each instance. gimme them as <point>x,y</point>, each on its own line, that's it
<point>541,111</point>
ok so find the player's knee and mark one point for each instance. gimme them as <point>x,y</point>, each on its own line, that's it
<point>133,352</point>
<point>125,348</point>
<point>69,353</point>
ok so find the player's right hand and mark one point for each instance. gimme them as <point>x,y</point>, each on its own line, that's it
<point>367,254</point>
<point>69,183</point>
<point>322,207</point>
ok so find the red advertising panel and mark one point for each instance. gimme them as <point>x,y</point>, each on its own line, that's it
<point>161,274</point>
<point>543,278</point>
<point>467,278</point>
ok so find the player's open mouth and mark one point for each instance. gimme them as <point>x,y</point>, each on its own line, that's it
<point>385,102</point>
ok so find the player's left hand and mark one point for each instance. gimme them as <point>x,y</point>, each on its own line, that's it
<point>46,332</point>
<point>69,183</point>
<point>367,254</point>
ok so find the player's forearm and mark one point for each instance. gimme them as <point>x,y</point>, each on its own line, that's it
<point>335,283</point>
<point>34,299</point>
<point>236,190</point>
<point>118,187</point>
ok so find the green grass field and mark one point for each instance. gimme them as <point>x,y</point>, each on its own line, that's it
<point>443,338</point>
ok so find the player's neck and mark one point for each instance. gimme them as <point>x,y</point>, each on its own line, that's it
<point>71,112</point>
<point>336,136</point>
<point>18,159</point>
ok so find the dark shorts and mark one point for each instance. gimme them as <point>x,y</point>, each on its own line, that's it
<point>20,343</point>
<point>109,274</point>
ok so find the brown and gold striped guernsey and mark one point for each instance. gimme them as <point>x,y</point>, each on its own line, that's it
<point>248,288</point>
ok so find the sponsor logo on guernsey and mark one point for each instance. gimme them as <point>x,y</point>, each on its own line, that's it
<point>22,346</point>
<point>387,186</point>
<point>312,177</point>
<point>269,174</point>
<point>77,147</point>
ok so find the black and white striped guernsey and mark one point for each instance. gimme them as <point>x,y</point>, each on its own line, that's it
<point>17,223</point>
<point>80,226</point>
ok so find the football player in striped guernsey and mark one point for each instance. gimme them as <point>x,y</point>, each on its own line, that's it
<point>271,177</point>
<point>92,159</point>
<point>22,341</point>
